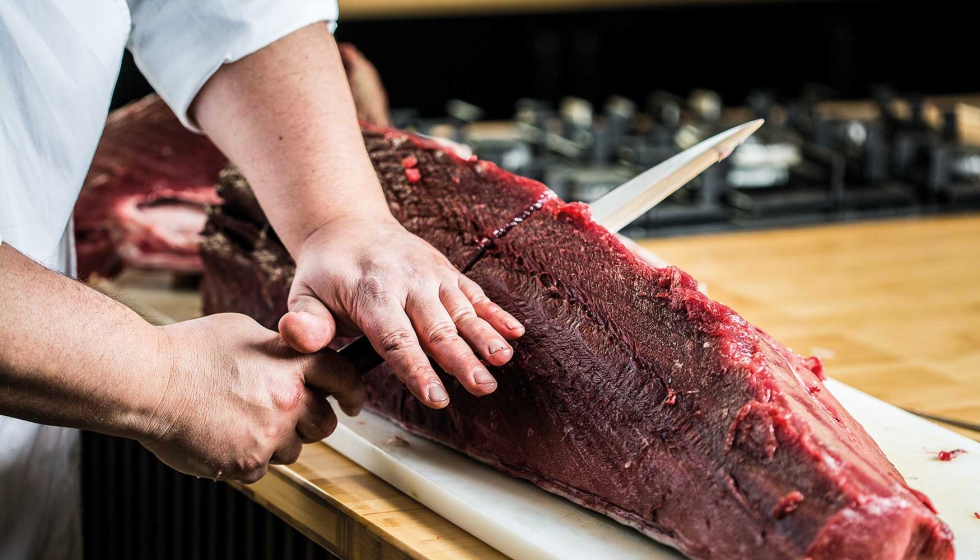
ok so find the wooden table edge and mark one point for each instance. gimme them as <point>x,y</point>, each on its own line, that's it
<point>281,484</point>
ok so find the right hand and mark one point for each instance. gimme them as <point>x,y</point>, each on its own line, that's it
<point>368,274</point>
<point>238,398</point>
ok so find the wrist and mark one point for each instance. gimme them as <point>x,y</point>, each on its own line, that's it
<point>147,416</point>
<point>345,225</point>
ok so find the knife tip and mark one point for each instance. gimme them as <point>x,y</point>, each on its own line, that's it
<point>750,127</point>
<point>742,133</point>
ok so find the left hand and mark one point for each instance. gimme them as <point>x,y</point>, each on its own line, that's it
<point>371,276</point>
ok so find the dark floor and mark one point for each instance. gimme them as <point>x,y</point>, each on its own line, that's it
<point>134,506</point>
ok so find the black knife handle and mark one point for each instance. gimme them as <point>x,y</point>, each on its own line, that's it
<point>361,355</point>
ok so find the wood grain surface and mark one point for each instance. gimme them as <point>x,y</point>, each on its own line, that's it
<point>381,9</point>
<point>892,307</point>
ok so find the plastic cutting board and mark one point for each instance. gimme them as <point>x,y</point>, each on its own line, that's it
<point>527,523</point>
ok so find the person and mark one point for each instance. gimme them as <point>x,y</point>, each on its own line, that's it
<point>221,396</point>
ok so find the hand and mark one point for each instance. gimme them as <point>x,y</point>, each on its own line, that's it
<point>374,277</point>
<point>357,269</point>
<point>238,398</point>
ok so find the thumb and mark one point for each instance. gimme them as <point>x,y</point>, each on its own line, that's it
<point>308,327</point>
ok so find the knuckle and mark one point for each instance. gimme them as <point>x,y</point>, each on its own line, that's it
<point>419,373</point>
<point>493,308</point>
<point>467,319</point>
<point>314,434</point>
<point>293,395</point>
<point>462,314</point>
<point>442,333</point>
<point>472,289</point>
<point>479,298</point>
<point>397,340</point>
<point>373,288</point>
<point>291,456</point>
<point>416,272</point>
<point>251,469</point>
<point>253,476</point>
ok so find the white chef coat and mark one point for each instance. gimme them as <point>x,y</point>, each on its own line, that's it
<point>59,60</point>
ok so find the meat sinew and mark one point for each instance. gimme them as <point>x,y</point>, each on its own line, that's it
<point>631,393</point>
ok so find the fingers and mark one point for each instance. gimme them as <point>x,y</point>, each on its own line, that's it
<point>503,322</point>
<point>288,452</point>
<point>332,375</point>
<point>309,326</point>
<point>482,337</point>
<point>393,337</point>
<point>441,340</point>
<point>317,421</point>
<point>248,475</point>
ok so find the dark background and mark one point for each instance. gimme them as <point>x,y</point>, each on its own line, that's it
<point>920,47</point>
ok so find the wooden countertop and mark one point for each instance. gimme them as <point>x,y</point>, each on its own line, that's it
<point>892,307</point>
<point>385,9</point>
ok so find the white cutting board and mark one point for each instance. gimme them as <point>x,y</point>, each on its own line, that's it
<point>525,522</point>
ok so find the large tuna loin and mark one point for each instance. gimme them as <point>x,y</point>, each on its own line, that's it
<point>631,393</point>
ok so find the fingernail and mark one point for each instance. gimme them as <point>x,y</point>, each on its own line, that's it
<point>483,377</point>
<point>498,346</point>
<point>512,324</point>
<point>436,393</point>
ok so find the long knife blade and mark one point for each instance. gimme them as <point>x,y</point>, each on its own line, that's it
<point>946,420</point>
<point>632,199</point>
<point>622,205</point>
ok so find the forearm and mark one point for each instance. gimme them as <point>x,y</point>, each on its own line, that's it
<point>71,356</point>
<point>286,117</point>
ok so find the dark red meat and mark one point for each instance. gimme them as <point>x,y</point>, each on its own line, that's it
<point>631,393</point>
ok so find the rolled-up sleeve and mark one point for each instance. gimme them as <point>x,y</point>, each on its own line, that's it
<point>180,44</point>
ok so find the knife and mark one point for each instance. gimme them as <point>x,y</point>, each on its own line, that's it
<point>946,420</point>
<point>627,202</point>
<point>620,206</point>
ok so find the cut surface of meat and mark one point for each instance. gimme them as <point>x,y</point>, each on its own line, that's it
<point>143,202</point>
<point>631,393</point>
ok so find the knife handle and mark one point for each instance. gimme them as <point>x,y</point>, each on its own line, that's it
<point>361,355</point>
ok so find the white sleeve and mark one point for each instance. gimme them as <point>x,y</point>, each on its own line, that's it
<point>180,44</point>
